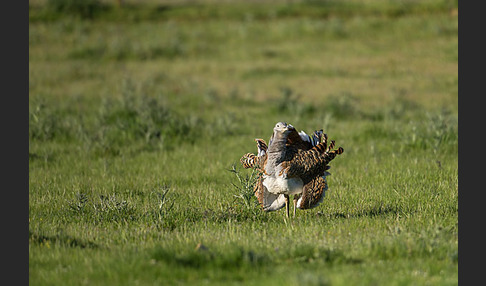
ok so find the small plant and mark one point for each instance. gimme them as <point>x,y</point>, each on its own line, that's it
<point>164,208</point>
<point>111,209</point>
<point>80,203</point>
<point>244,187</point>
<point>108,208</point>
<point>164,205</point>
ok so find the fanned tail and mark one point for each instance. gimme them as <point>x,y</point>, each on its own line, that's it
<point>249,160</point>
<point>318,137</point>
<point>262,147</point>
<point>331,146</point>
<point>333,153</point>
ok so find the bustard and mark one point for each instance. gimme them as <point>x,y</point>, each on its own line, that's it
<point>293,163</point>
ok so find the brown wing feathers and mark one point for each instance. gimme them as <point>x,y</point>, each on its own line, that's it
<point>313,193</point>
<point>312,163</point>
<point>295,141</point>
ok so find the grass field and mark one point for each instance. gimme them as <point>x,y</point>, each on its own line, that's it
<point>138,113</point>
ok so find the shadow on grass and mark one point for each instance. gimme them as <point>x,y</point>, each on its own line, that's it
<point>372,212</point>
<point>234,256</point>
<point>197,258</point>
<point>60,239</point>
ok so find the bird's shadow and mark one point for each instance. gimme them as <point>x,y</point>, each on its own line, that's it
<point>374,211</point>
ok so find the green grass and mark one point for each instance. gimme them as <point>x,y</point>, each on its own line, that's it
<point>138,115</point>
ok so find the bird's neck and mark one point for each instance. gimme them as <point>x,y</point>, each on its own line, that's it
<point>275,152</point>
<point>277,143</point>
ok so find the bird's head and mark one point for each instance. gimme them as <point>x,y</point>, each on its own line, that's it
<point>283,128</point>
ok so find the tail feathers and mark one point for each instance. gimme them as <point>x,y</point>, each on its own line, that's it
<point>333,153</point>
<point>331,146</point>
<point>304,136</point>
<point>324,139</point>
<point>317,137</point>
<point>249,160</point>
<point>314,139</point>
<point>262,147</point>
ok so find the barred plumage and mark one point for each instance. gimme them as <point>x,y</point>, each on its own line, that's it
<point>331,146</point>
<point>262,147</point>
<point>249,160</point>
<point>312,194</point>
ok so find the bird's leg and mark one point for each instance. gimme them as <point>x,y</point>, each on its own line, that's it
<point>287,206</point>
<point>295,203</point>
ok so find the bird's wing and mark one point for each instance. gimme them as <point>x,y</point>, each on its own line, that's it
<point>313,193</point>
<point>299,140</point>
<point>311,163</point>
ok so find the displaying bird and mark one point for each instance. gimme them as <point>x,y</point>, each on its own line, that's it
<point>268,201</point>
<point>294,163</point>
<point>313,193</point>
